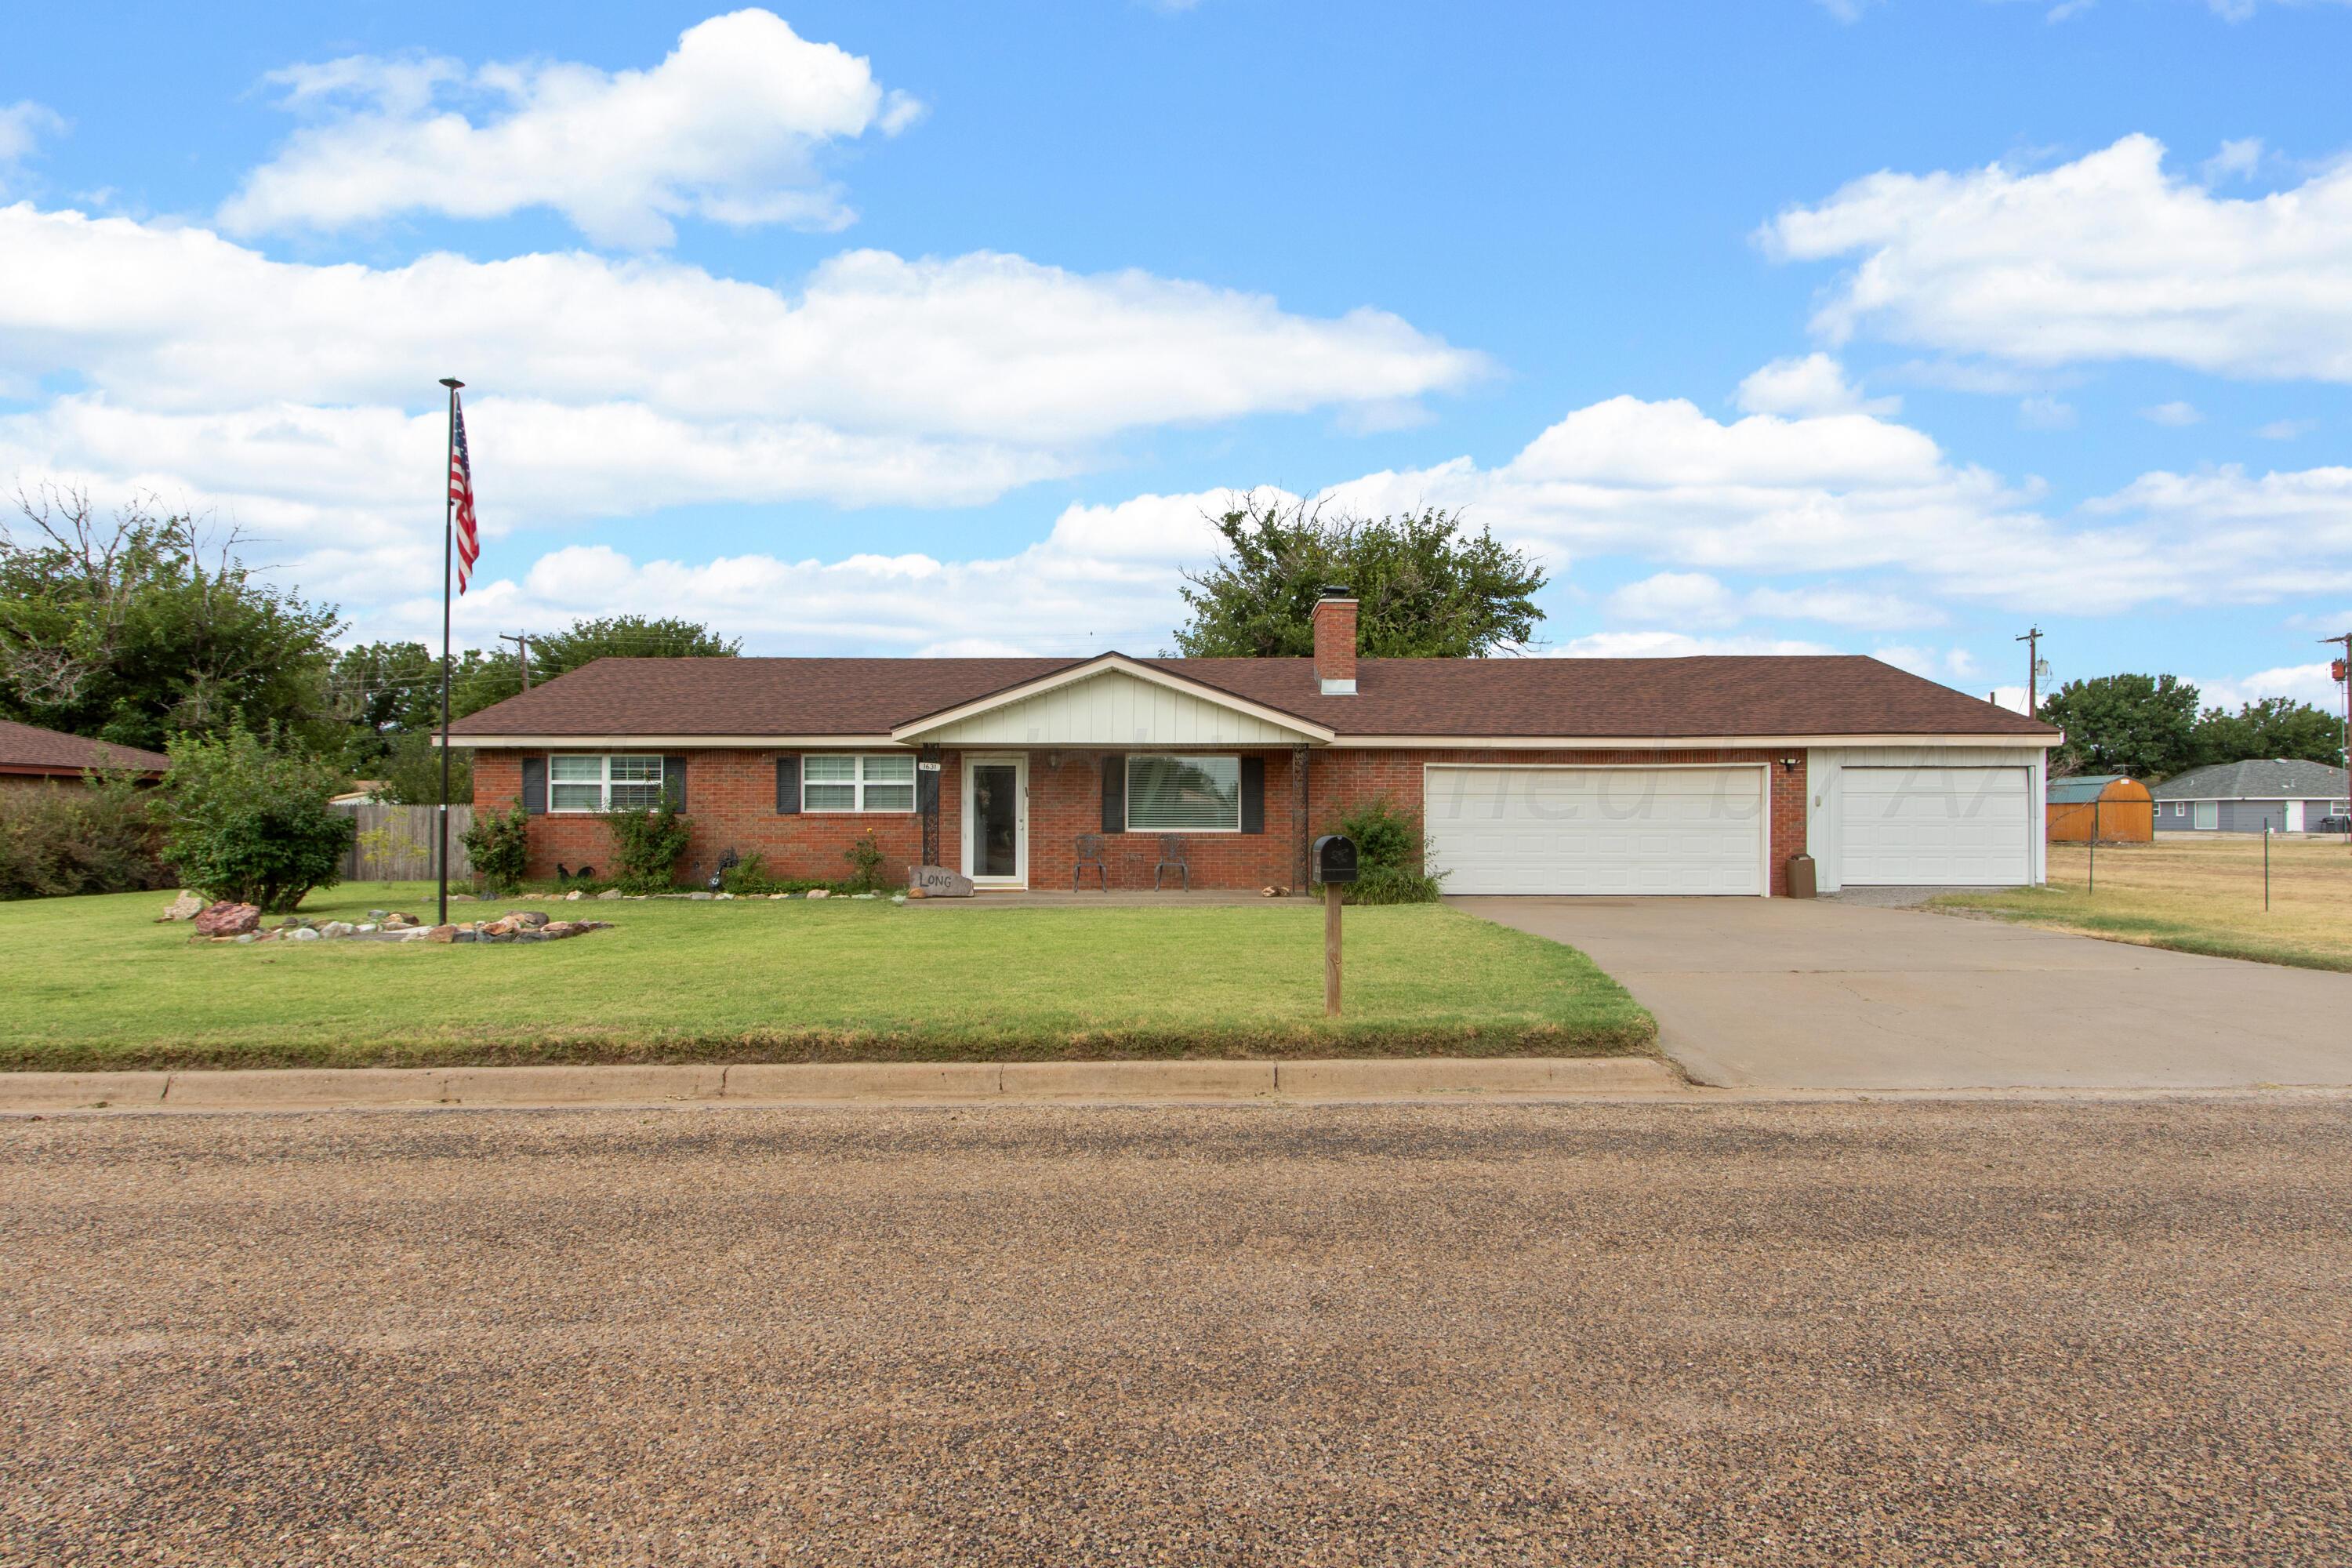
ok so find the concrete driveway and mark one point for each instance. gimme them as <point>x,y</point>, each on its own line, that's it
<point>1792,994</point>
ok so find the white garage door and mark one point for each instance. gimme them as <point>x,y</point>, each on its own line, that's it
<point>1596,830</point>
<point>1915,828</point>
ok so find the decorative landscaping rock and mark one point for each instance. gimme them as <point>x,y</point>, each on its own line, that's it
<point>226,918</point>
<point>186,907</point>
<point>337,928</point>
<point>521,918</point>
<point>699,898</point>
<point>399,922</point>
<point>303,934</point>
<point>379,914</point>
<point>575,895</point>
<point>441,933</point>
<point>609,894</point>
<point>246,936</point>
<point>820,892</point>
<point>938,882</point>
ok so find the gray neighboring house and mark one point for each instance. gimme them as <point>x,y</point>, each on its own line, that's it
<point>2239,797</point>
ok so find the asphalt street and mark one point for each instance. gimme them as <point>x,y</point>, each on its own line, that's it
<point>1996,1331</point>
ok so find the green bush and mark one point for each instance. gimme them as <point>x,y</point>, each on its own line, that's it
<point>1387,856</point>
<point>92,838</point>
<point>498,844</point>
<point>864,857</point>
<point>248,820</point>
<point>748,876</point>
<point>646,845</point>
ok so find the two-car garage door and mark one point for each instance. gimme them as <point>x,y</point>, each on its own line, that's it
<point>1597,830</point>
<point>1696,830</point>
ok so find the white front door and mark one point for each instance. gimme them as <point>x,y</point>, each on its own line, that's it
<point>996,821</point>
<point>1936,826</point>
<point>1563,829</point>
<point>2294,817</point>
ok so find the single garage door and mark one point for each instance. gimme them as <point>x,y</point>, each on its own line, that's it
<point>1915,828</point>
<point>1596,830</point>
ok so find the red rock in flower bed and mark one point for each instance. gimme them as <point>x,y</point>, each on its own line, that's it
<point>227,919</point>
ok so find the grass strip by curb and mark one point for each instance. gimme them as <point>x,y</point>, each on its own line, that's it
<point>2140,931</point>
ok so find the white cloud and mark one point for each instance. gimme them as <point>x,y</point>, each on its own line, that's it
<point>2045,414</point>
<point>2107,257</point>
<point>728,128</point>
<point>2176,413</point>
<point>1676,645</point>
<point>1686,597</point>
<point>2286,429</point>
<point>2302,682</point>
<point>1103,577</point>
<point>2236,160</point>
<point>22,126</point>
<point>1815,383</point>
<point>985,346</point>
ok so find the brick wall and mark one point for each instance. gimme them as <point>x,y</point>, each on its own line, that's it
<point>732,804</point>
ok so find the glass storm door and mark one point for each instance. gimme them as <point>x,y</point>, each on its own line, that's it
<point>996,820</point>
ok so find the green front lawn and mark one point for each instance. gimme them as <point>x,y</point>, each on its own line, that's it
<point>92,982</point>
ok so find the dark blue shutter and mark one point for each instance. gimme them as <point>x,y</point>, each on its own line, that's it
<point>674,783</point>
<point>788,786</point>
<point>1114,767</point>
<point>1252,794</point>
<point>534,785</point>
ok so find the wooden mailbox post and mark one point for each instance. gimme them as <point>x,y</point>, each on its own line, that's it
<point>1335,867</point>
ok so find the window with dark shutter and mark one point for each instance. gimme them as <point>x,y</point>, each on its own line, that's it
<point>788,786</point>
<point>674,782</point>
<point>534,785</point>
<point>1114,785</point>
<point>1252,794</point>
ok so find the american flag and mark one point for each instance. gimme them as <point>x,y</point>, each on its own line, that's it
<point>461,490</point>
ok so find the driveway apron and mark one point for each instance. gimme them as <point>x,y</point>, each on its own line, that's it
<point>1798,993</point>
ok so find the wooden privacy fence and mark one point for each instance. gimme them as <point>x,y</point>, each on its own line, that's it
<point>395,843</point>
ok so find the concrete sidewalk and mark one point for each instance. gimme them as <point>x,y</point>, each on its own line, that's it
<point>1801,995</point>
<point>332,1089</point>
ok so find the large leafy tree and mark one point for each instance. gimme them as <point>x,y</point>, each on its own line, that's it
<point>139,628</point>
<point>2143,725</point>
<point>626,637</point>
<point>1428,587</point>
<point>2271,727</point>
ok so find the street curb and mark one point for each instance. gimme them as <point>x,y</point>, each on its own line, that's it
<point>769,1083</point>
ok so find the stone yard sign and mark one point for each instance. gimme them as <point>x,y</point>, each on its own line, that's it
<point>936,882</point>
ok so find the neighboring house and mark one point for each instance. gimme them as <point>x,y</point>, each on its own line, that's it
<point>2112,808</point>
<point>1530,775</point>
<point>32,757</point>
<point>2287,794</point>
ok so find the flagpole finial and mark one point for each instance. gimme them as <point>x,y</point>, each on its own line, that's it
<point>452,383</point>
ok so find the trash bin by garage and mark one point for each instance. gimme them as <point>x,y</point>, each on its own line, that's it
<point>1800,877</point>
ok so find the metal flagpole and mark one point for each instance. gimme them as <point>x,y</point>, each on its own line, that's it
<point>449,565</point>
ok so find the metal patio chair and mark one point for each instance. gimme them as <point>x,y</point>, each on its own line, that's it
<point>1090,845</point>
<point>1172,851</point>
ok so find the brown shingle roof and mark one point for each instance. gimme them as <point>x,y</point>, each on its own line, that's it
<point>30,749</point>
<point>1764,695</point>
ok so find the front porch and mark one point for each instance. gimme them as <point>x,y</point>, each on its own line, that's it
<point>1116,899</point>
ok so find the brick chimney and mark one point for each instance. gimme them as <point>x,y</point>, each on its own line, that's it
<point>1335,642</point>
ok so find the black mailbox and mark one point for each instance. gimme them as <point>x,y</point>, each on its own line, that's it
<point>1335,858</point>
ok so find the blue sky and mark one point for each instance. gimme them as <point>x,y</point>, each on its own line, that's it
<point>1885,327</point>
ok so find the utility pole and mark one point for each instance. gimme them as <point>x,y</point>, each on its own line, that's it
<point>522,653</point>
<point>2032,641</point>
<point>2342,673</point>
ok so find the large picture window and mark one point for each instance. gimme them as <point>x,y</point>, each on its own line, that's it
<point>1183,795</point>
<point>603,784</point>
<point>836,781</point>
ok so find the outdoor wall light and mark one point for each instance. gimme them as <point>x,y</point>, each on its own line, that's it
<point>1788,764</point>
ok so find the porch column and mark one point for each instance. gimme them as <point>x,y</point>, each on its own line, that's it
<point>927,774</point>
<point>1298,813</point>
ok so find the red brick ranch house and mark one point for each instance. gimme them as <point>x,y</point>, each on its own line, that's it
<point>1529,775</point>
